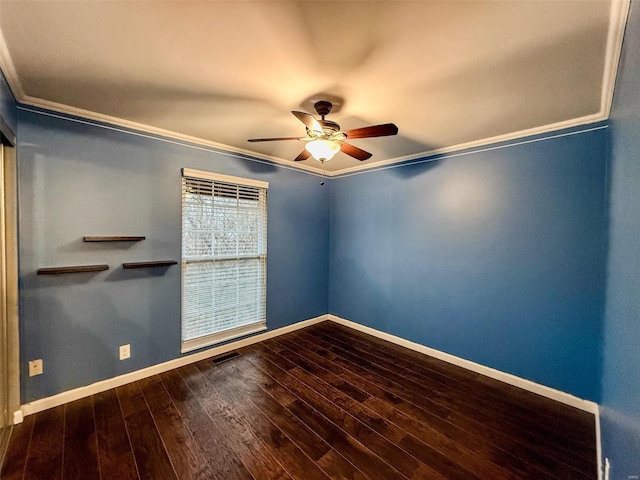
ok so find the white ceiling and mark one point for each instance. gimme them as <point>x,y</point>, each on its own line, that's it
<point>447,73</point>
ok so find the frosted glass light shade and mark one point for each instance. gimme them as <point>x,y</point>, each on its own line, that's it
<point>322,149</point>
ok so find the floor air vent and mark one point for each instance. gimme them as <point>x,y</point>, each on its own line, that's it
<point>224,358</point>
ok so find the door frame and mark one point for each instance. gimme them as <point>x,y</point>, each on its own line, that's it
<point>9,349</point>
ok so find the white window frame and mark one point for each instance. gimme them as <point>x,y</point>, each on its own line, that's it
<point>260,323</point>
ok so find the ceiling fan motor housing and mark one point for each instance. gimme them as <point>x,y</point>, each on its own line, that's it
<point>323,107</point>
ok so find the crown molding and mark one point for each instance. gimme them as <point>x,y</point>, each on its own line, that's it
<point>617,22</point>
<point>507,137</point>
<point>133,128</point>
<point>9,69</point>
<point>615,36</point>
<point>159,133</point>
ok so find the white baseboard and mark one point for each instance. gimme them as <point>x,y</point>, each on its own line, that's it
<point>18,417</point>
<point>101,386</point>
<point>566,398</point>
<point>104,385</point>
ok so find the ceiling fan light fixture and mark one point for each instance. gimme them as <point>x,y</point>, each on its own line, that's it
<point>322,149</point>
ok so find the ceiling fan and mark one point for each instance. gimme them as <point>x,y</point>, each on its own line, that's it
<point>324,138</point>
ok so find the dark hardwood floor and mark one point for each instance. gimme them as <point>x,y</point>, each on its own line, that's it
<point>323,402</point>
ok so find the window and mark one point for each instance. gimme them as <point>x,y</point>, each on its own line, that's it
<point>224,257</point>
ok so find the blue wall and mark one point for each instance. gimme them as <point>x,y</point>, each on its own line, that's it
<point>620,410</point>
<point>77,179</point>
<point>495,256</point>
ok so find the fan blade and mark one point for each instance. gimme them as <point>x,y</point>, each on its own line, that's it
<point>309,121</point>
<point>354,152</point>
<point>383,130</point>
<point>303,156</point>
<point>273,139</point>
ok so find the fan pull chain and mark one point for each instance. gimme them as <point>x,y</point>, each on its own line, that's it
<point>322,182</point>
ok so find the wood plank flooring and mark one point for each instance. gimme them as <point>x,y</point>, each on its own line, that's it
<point>323,402</point>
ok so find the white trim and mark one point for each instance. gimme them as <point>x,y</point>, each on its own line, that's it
<point>615,36</point>
<point>18,417</point>
<point>9,69</point>
<point>81,392</point>
<point>154,132</point>
<point>598,443</point>
<point>576,122</point>
<point>194,144</point>
<point>224,336</point>
<point>11,303</point>
<point>557,395</point>
<point>169,134</point>
<point>473,152</point>
<point>219,177</point>
<point>397,162</point>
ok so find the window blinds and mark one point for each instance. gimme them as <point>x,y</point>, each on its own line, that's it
<point>224,257</point>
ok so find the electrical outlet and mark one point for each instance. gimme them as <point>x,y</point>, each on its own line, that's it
<point>35,367</point>
<point>125,351</point>
<point>607,467</point>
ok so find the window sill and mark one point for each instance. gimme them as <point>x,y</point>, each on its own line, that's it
<point>209,340</point>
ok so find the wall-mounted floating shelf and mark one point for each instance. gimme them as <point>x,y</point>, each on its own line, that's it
<point>74,269</point>
<point>114,238</point>
<point>159,263</point>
